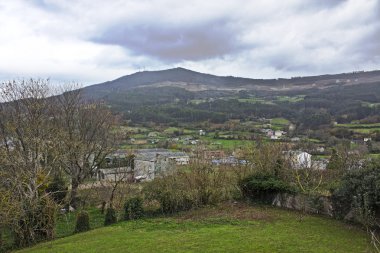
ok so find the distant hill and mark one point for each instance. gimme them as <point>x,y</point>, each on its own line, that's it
<point>183,96</point>
<point>195,81</point>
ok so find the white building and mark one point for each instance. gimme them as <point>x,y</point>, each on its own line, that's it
<point>279,133</point>
<point>299,159</point>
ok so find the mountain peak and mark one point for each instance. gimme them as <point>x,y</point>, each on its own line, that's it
<point>180,76</point>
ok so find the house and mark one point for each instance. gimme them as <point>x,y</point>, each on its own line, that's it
<point>115,174</point>
<point>202,132</point>
<point>150,163</point>
<point>298,159</point>
<point>152,135</point>
<point>320,149</point>
<point>116,166</point>
<point>213,154</point>
<point>194,142</point>
<point>270,133</point>
<point>267,131</point>
<point>279,133</point>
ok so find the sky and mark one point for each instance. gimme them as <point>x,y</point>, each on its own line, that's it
<point>92,41</point>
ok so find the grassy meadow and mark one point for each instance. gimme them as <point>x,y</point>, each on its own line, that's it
<point>225,228</point>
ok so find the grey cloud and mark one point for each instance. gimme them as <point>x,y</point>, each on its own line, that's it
<point>368,47</point>
<point>45,5</point>
<point>326,3</point>
<point>175,43</point>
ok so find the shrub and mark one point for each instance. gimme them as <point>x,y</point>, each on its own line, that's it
<point>263,187</point>
<point>197,185</point>
<point>359,194</point>
<point>36,222</point>
<point>133,209</point>
<point>110,217</point>
<point>82,222</point>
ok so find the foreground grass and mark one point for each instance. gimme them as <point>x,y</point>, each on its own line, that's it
<point>66,222</point>
<point>227,228</point>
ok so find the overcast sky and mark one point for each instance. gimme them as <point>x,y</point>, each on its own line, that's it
<point>92,41</point>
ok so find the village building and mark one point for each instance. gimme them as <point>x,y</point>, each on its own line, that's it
<point>150,163</point>
<point>115,174</point>
<point>116,166</point>
<point>142,164</point>
<point>213,154</point>
<point>298,159</point>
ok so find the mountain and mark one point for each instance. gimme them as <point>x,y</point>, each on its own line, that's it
<point>182,96</point>
<point>195,81</point>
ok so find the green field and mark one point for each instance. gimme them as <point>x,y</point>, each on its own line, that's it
<point>361,128</point>
<point>255,100</point>
<point>294,99</point>
<point>227,228</point>
<point>354,125</point>
<point>365,130</point>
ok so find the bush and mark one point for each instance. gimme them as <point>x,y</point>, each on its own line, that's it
<point>263,187</point>
<point>192,187</point>
<point>82,222</point>
<point>36,222</point>
<point>359,194</point>
<point>133,209</point>
<point>110,217</point>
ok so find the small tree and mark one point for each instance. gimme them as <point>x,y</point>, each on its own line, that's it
<point>133,209</point>
<point>82,222</point>
<point>110,217</point>
<point>308,180</point>
<point>359,194</point>
<point>263,187</point>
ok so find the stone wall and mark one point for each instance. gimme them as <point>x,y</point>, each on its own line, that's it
<point>310,204</point>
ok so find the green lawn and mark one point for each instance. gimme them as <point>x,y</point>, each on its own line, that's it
<point>66,222</point>
<point>225,143</point>
<point>226,228</point>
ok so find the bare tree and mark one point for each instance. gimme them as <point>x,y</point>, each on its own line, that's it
<point>119,173</point>
<point>28,149</point>
<point>86,137</point>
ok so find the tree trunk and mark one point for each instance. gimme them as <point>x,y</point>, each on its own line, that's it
<point>73,201</point>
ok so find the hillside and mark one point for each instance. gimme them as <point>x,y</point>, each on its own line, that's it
<point>183,96</point>
<point>227,228</point>
<point>192,80</point>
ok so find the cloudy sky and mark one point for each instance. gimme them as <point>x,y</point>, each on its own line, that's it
<point>91,41</point>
